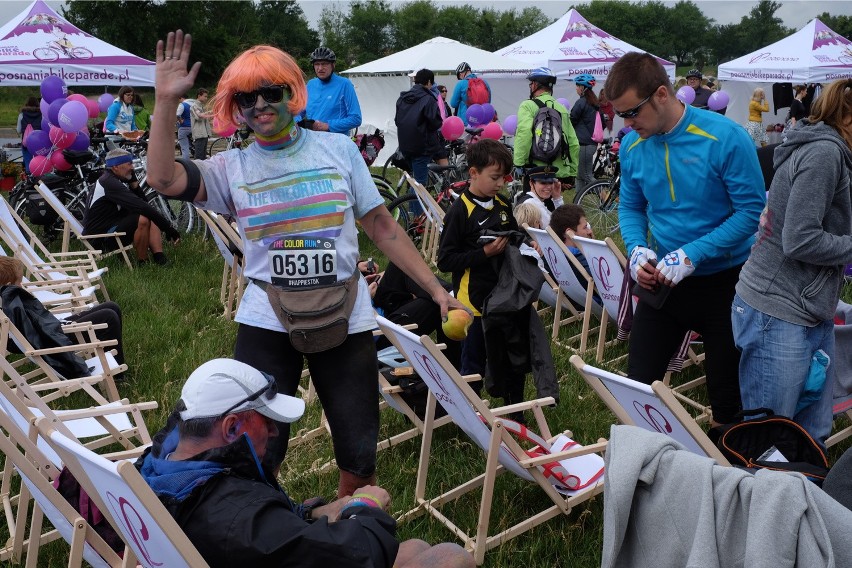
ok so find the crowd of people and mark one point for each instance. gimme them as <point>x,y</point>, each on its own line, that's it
<point>757,276</point>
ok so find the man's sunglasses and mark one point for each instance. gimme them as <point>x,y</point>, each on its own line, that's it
<point>270,93</point>
<point>634,112</point>
<point>269,392</point>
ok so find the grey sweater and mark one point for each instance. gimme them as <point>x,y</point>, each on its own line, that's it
<point>795,271</point>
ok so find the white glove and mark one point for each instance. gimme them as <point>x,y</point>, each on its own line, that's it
<point>639,258</point>
<point>675,267</point>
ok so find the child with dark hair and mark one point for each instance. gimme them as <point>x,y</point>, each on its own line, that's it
<point>475,267</point>
<point>567,221</point>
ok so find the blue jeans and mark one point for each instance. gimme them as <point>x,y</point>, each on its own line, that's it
<point>183,139</point>
<point>420,172</point>
<point>776,358</point>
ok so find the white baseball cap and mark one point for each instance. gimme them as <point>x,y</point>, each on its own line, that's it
<point>226,385</point>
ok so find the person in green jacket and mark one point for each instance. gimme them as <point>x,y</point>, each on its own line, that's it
<point>142,115</point>
<point>541,85</point>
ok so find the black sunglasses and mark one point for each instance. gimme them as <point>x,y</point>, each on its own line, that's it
<point>270,93</point>
<point>634,112</point>
<point>269,392</point>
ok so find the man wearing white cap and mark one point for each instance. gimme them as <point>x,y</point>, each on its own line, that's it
<point>208,474</point>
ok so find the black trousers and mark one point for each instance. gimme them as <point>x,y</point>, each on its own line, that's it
<point>110,314</point>
<point>702,304</point>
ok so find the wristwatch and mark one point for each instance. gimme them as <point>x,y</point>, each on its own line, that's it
<point>309,505</point>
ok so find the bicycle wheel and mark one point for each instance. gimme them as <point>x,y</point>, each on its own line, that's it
<point>75,201</point>
<point>600,202</point>
<point>81,53</point>
<point>403,209</point>
<point>45,54</point>
<point>181,214</point>
<point>219,145</point>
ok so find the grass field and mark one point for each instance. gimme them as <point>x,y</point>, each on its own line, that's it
<point>172,324</point>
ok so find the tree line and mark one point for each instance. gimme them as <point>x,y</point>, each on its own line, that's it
<point>364,30</point>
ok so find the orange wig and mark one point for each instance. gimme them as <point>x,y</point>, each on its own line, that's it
<point>261,65</point>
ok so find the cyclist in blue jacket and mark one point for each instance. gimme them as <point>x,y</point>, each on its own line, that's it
<point>332,102</point>
<point>459,99</point>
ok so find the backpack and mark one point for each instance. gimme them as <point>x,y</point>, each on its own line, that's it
<point>37,209</point>
<point>477,92</point>
<point>370,145</point>
<point>548,141</point>
<point>753,443</point>
<point>597,133</point>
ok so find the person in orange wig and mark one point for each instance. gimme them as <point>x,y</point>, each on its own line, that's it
<point>296,195</point>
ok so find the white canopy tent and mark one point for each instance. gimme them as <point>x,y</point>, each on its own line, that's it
<point>379,83</point>
<point>39,42</point>
<point>814,54</point>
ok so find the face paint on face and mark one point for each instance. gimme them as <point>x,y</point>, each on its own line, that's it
<point>268,120</point>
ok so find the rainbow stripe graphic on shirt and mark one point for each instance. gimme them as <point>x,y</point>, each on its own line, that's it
<point>306,203</point>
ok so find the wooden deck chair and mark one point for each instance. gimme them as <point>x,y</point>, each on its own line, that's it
<point>230,246</point>
<point>126,500</point>
<point>562,264</point>
<point>101,363</point>
<point>72,225</point>
<point>652,407</point>
<point>43,264</point>
<point>434,221</point>
<point>23,457</point>
<point>607,265</point>
<point>492,434</point>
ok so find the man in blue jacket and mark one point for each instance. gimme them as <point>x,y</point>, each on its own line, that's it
<point>205,467</point>
<point>332,102</point>
<point>691,197</point>
<point>459,99</point>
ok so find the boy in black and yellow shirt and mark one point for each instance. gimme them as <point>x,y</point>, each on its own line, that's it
<point>475,267</point>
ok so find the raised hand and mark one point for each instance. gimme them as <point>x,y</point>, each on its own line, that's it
<point>173,76</point>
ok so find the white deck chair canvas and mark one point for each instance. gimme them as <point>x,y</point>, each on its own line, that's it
<point>434,220</point>
<point>22,455</point>
<point>44,265</point>
<point>562,264</point>
<point>492,434</point>
<point>72,225</point>
<point>230,246</point>
<point>127,501</point>
<point>652,407</point>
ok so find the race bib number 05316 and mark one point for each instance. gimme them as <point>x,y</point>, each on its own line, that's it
<point>295,262</point>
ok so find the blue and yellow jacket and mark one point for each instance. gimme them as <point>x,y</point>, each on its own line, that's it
<point>698,187</point>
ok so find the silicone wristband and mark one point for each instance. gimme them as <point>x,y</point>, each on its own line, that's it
<point>368,497</point>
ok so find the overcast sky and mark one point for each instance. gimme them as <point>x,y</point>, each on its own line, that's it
<point>795,13</point>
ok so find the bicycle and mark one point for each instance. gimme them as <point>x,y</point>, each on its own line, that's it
<point>600,199</point>
<point>241,138</point>
<point>406,207</point>
<point>602,51</point>
<point>55,50</point>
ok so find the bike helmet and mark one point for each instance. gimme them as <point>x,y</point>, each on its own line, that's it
<point>323,53</point>
<point>585,80</point>
<point>543,76</point>
<point>694,73</point>
<point>463,66</point>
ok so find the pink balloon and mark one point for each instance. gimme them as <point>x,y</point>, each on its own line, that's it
<point>59,162</point>
<point>73,116</point>
<point>104,101</point>
<point>492,130</point>
<point>93,108</point>
<point>452,128</point>
<point>77,97</point>
<point>686,95</point>
<point>40,165</point>
<point>510,125</point>
<point>718,100</point>
<point>224,132</point>
<point>27,132</point>
<point>564,102</point>
<point>60,138</point>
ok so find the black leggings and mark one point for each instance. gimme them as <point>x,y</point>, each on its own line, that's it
<point>702,304</point>
<point>346,381</point>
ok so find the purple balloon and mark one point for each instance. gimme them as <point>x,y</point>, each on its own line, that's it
<point>43,105</point>
<point>53,88</point>
<point>488,112</point>
<point>510,125</point>
<point>53,111</point>
<point>686,94</point>
<point>81,143</point>
<point>475,116</point>
<point>39,143</point>
<point>564,102</point>
<point>104,101</point>
<point>73,116</point>
<point>718,100</point>
<point>45,125</point>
